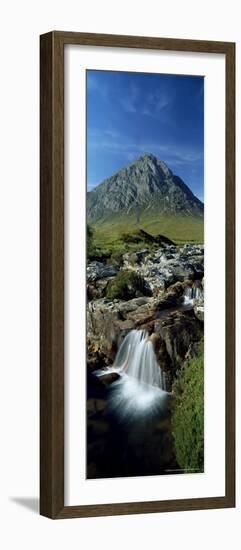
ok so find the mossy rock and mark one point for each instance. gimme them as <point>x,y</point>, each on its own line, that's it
<point>127,285</point>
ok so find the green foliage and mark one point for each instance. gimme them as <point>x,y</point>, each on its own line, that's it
<point>116,259</point>
<point>90,237</point>
<point>188,415</point>
<point>125,285</point>
<point>94,252</point>
<point>89,234</point>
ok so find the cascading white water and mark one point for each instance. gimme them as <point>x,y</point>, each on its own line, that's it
<point>136,357</point>
<point>141,386</point>
<point>192,293</point>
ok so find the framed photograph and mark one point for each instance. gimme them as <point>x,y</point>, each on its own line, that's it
<point>137,398</point>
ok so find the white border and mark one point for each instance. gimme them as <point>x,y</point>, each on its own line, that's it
<point>78,490</point>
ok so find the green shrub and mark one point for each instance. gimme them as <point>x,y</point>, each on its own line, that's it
<point>98,254</point>
<point>125,286</point>
<point>89,241</point>
<point>188,415</point>
<point>94,252</point>
<point>116,259</point>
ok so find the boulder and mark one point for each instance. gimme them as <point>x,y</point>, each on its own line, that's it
<point>199,312</point>
<point>99,270</point>
<point>179,330</point>
<point>109,378</point>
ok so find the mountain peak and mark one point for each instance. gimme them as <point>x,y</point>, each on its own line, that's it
<point>148,156</point>
<point>150,160</point>
<point>145,184</point>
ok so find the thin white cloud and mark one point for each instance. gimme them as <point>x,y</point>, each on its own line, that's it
<point>124,146</point>
<point>95,86</point>
<point>155,102</point>
<point>147,112</point>
<point>162,103</point>
<point>135,101</point>
<point>111,133</point>
<point>95,133</point>
<point>147,105</point>
<point>128,105</point>
<point>175,154</point>
<point>130,102</point>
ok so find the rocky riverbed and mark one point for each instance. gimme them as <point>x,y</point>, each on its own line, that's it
<point>162,292</point>
<point>170,304</point>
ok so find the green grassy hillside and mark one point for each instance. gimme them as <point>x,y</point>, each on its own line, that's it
<point>180,229</point>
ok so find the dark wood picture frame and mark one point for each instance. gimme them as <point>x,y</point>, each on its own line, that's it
<point>52,274</point>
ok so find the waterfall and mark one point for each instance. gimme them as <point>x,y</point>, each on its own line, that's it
<point>136,357</point>
<point>141,388</point>
<point>192,293</point>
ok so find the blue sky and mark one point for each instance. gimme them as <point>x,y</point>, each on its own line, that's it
<point>129,114</point>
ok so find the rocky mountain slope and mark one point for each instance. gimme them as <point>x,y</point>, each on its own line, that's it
<point>146,185</point>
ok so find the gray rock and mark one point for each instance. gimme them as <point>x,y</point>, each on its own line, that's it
<point>98,270</point>
<point>170,265</point>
